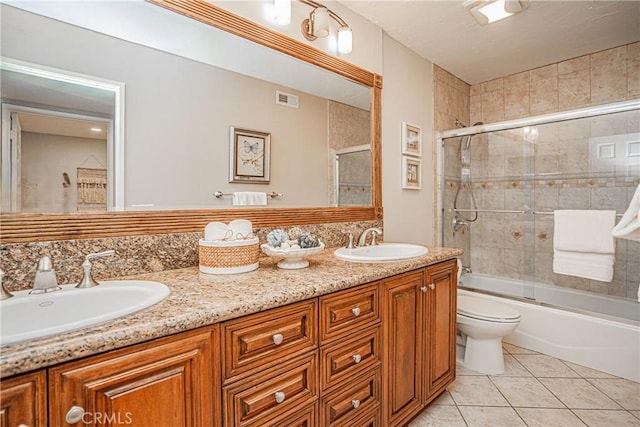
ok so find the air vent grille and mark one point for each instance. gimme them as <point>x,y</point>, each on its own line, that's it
<point>287,99</point>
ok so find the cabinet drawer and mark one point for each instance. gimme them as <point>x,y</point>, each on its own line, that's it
<point>345,404</point>
<point>371,418</point>
<point>349,310</point>
<point>273,395</point>
<point>306,417</point>
<point>253,342</point>
<point>347,358</point>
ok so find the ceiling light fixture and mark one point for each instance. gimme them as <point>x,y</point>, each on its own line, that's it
<point>488,11</point>
<point>317,25</point>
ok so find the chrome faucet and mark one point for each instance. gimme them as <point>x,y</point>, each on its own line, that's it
<point>458,224</point>
<point>466,270</point>
<point>87,280</point>
<point>4,294</point>
<point>46,280</point>
<point>362,241</point>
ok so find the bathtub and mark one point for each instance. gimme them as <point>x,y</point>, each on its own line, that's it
<point>608,341</point>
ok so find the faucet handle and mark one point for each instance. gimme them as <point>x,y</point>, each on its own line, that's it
<point>87,280</point>
<point>350,234</point>
<point>4,294</point>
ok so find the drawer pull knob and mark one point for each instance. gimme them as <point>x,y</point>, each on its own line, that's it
<point>356,311</point>
<point>74,415</point>
<point>277,339</point>
<point>279,396</point>
<point>355,403</point>
<point>357,358</point>
<point>423,289</point>
<point>432,286</point>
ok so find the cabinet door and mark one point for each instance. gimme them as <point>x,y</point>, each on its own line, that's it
<point>167,382</point>
<point>403,345</point>
<point>23,400</point>
<point>441,326</point>
<point>342,406</point>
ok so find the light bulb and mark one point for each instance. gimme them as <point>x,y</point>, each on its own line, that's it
<point>321,22</point>
<point>345,40</point>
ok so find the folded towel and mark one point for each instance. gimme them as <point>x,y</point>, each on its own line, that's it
<point>246,198</point>
<point>584,231</point>
<point>583,245</point>
<point>629,225</point>
<point>583,264</point>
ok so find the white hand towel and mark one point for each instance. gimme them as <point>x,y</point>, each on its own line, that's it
<point>629,225</point>
<point>583,245</point>
<point>584,231</point>
<point>247,198</point>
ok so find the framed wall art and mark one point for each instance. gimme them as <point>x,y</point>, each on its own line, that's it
<point>249,156</point>
<point>411,139</point>
<point>411,173</point>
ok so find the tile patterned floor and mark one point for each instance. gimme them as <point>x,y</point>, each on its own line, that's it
<point>536,391</point>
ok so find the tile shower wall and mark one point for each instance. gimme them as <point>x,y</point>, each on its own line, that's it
<point>135,254</point>
<point>570,165</point>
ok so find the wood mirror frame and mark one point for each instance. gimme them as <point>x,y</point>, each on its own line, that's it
<point>46,227</point>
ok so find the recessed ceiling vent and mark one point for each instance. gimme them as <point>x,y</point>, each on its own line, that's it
<point>286,99</point>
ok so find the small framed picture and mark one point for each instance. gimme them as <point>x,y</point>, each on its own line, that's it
<point>411,173</point>
<point>249,156</point>
<point>411,139</point>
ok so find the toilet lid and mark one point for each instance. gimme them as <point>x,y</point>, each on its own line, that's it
<point>483,309</point>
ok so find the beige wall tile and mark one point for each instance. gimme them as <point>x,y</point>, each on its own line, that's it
<point>606,57</point>
<point>493,106</point>
<point>574,89</point>
<point>633,50</point>
<point>516,100</point>
<point>609,82</point>
<point>544,96</point>
<point>475,90</point>
<point>493,85</point>
<point>575,64</point>
<point>633,78</point>
<point>542,73</point>
<point>519,78</point>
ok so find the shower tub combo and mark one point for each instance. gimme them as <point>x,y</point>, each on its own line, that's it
<point>499,185</point>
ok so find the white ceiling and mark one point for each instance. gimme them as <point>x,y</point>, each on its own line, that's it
<point>445,33</point>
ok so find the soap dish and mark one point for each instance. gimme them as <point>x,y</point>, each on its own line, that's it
<point>293,258</point>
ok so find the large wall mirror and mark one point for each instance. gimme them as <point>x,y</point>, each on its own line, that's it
<point>168,135</point>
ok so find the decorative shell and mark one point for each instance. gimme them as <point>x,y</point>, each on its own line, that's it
<point>277,237</point>
<point>308,240</point>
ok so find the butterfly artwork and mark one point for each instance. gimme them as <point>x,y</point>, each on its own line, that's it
<point>251,156</point>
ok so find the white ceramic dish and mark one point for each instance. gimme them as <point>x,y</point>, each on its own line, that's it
<point>293,258</point>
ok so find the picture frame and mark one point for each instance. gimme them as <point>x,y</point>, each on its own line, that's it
<point>411,173</point>
<point>249,156</point>
<point>411,140</point>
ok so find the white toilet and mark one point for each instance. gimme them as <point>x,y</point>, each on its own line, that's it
<point>481,325</point>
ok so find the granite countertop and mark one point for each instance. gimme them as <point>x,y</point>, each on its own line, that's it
<point>199,299</point>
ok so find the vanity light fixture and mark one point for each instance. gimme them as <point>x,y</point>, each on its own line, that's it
<point>317,25</point>
<point>488,11</point>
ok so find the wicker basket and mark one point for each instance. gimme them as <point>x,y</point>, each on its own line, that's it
<point>228,257</point>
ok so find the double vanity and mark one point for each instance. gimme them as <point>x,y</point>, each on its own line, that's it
<point>337,343</point>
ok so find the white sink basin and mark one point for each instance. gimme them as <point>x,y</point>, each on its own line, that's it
<point>27,316</point>
<point>381,252</point>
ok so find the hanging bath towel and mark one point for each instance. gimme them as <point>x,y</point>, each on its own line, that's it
<point>629,226</point>
<point>583,245</point>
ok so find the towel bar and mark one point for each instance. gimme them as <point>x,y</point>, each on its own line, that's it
<point>508,211</point>
<point>219,194</point>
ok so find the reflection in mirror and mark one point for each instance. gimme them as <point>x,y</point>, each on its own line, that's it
<point>60,136</point>
<point>179,113</point>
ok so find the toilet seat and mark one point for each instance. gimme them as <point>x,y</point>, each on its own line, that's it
<point>482,309</point>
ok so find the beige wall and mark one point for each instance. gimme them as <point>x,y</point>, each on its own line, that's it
<point>407,96</point>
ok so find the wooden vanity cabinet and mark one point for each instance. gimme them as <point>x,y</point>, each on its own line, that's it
<point>350,357</point>
<point>270,366</point>
<point>166,382</point>
<point>23,400</point>
<point>419,309</point>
